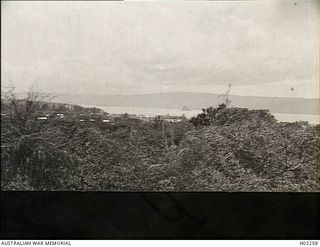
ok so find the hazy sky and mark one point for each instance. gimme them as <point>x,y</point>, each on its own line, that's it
<point>268,48</point>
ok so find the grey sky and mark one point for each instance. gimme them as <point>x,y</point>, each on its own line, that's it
<point>261,47</point>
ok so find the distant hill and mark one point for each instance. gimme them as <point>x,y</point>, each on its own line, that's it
<point>194,101</point>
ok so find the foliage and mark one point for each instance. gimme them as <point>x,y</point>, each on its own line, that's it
<point>247,155</point>
<point>27,153</point>
<point>223,149</point>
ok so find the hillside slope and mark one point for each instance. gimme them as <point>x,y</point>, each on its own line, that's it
<point>195,101</point>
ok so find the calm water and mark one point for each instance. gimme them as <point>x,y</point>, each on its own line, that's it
<point>151,112</point>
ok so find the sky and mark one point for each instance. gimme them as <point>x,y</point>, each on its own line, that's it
<point>263,48</point>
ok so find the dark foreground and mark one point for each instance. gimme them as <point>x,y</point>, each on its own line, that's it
<point>97,215</point>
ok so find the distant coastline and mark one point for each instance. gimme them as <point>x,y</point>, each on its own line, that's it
<point>194,101</point>
<point>151,111</point>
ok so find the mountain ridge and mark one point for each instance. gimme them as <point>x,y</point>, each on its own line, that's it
<point>194,101</point>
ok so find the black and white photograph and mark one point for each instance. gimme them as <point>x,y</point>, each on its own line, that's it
<point>160,96</point>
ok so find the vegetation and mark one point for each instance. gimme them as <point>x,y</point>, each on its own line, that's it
<point>222,149</point>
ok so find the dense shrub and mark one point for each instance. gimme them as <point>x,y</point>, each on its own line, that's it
<point>224,149</point>
<point>248,150</point>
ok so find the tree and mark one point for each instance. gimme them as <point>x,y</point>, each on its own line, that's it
<point>225,98</point>
<point>28,155</point>
<point>208,115</point>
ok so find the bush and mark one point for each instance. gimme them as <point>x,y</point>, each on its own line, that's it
<point>248,150</point>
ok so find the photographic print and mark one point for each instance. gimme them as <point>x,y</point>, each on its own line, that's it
<point>173,96</point>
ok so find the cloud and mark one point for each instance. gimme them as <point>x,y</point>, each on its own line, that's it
<point>135,47</point>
